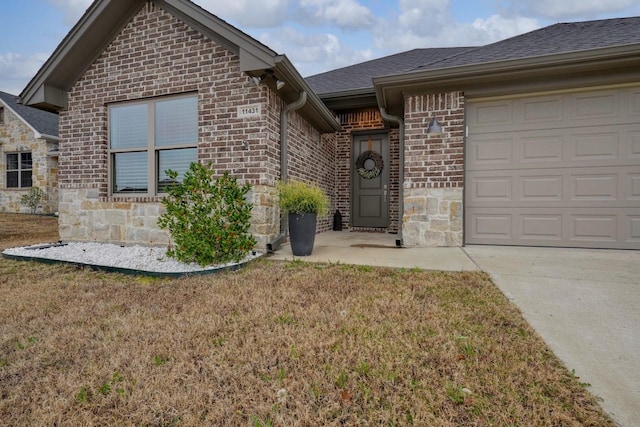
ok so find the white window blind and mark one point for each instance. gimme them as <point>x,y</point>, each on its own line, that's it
<point>130,172</point>
<point>176,121</point>
<point>128,126</point>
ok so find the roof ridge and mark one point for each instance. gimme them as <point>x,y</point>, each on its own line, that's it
<point>386,57</point>
<point>470,49</point>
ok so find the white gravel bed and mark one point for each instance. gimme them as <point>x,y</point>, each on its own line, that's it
<point>143,258</point>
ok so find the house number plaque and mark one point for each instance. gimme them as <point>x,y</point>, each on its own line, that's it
<point>246,111</point>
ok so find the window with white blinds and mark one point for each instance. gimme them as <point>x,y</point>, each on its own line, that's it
<point>148,138</point>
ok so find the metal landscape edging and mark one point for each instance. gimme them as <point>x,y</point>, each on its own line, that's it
<point>131,271</point>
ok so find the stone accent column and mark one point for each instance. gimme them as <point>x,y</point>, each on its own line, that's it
<point>434,171</point>
<point>265,217</point>
<point>432,217</point>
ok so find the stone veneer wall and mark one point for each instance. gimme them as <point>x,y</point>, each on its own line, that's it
<point>16,137</point>
<point>434,171</point>
<point>363,121</point>
<point>155,55</point>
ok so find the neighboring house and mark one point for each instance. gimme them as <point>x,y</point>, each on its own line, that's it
<point>534,140</point>
<point>28,155</point>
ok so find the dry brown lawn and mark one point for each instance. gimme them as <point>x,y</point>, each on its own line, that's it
<point>280,344</point>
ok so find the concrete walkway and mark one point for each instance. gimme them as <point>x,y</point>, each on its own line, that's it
<point>586,306</point>
<point>378,249</point>
<point>584,303</point>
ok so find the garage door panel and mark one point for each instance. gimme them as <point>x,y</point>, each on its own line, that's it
<point>584,228</point>
<point>632,190</point>
<point>555,170</point>
<point>542,149</point>
<point>494,114</point>
<point>634,145</point>
<point>634,103</point>
<point>495,226</point>
<point>543,109</point>
<point>494,151</point>
<point>590,106</point>
<point>594,146</point>
<point>601,108</point>
<point>541,188</point>
<point>492,188</point>
<point>572,147</point>
<point>558,187</point>
<point>541,227</point>
<point>632,228</point>
<point>593,227</point>
<point>594,187</point>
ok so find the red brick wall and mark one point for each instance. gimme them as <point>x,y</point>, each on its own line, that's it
<point>157,55</point>
<point>434,161</point>
<point>358,121</point>
<point>312,159</point>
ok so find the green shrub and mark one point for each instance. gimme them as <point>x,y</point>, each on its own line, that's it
<point>208,219</point>
<point>300,197</point>
<point>33,199</point>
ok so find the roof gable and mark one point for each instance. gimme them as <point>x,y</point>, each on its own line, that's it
<point>105,19</point>
<point>43,123</point>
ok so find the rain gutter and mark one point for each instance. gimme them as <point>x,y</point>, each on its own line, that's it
<point>400,121</point>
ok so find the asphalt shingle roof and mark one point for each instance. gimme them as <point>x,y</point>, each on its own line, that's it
<point>554,39</point>
<point>44,122</point>
<point>358,76</point>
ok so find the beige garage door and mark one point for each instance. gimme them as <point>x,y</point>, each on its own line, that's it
<point>554,170</point>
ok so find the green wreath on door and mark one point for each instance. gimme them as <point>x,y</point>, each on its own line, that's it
<point>369,164</point>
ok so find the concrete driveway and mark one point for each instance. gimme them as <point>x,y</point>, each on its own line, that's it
<point>586,306</point>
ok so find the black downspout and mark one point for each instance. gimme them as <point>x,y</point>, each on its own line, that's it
<point>284,164</point>
<point>400,121</point>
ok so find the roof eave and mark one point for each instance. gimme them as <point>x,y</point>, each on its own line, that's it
<point>80,47</point>
<point>389,89</point>
<point>102,21</point>
<point>314,110</point>
<point>349,99</point>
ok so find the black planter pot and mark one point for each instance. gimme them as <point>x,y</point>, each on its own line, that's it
<point>302,232</point>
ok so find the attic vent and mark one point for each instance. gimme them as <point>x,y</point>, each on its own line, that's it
<point>150,6</point>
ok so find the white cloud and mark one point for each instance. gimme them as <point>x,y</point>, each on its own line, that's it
<point>349,14</point>
<point>72,9</point>
<point>17,69</point>
<point>430,23</point>
<point>496,27</point>
<point>314,53</point>
<point>249,13</point>
<point>567,9</point>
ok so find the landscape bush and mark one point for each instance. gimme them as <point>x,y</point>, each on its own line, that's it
<point>208,218</point>
<point>33,199</point>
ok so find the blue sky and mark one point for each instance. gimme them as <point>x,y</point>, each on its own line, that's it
<point>317,35</point>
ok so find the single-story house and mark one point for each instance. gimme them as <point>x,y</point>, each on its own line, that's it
<point>533,140</point>
<point>28,155</point>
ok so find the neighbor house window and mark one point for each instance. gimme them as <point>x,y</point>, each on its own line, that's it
<point>1,115</point>
<point>148,138</point>
<point>19,170</point>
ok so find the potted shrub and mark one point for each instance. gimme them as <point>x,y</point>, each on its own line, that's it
<point>303,203</point>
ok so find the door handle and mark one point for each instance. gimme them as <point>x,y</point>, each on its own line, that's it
<point>384,194</point>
